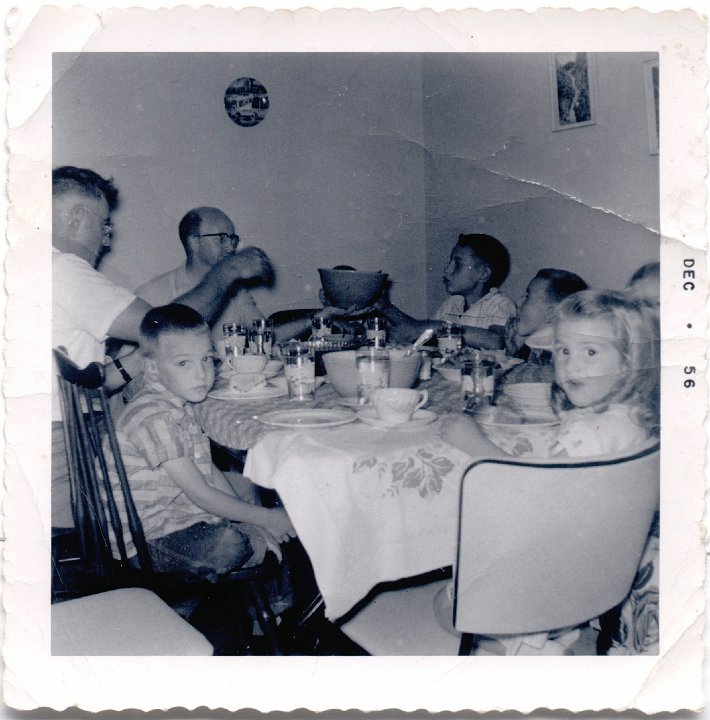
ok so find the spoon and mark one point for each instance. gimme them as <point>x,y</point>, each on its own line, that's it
<point>426,335</point>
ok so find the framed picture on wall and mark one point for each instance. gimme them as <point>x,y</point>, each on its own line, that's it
<point>650,80</point>
<point>572,81</point>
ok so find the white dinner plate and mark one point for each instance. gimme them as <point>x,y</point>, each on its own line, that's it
<point>314,417</point>
<point>259,393</point>
<point>420,418</point>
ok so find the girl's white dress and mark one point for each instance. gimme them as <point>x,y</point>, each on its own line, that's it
<point>584,432</point>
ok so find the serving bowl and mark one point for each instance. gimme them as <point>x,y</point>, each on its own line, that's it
<point>320,346</point>
<point>520,438</point>
<point>404,369</point>
<point>342,371</point>
<point>351,288</point>
<point>529,396</point>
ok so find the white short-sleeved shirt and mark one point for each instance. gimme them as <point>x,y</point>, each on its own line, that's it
<point>84,305</point>
<point>170,285</point>
<point>492,309</point>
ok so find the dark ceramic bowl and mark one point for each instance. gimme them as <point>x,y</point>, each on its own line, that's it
<point>351,288</point>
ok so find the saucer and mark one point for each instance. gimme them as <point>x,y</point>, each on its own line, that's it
<point>368,415</point>
<point>351,402</point>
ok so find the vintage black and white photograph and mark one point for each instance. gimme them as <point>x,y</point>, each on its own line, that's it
<point>305,342</point>
<point>339,365</point>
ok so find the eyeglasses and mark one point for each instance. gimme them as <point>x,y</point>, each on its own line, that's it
<point>106,225</point>
<point>224,238</point>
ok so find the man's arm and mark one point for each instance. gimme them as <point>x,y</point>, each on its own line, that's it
<point>297,324</point>
<point>247,267</point>
<point>406,329</point>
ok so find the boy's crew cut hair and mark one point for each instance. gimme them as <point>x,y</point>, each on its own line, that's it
<point>174,317</point>
<point>68,179</point>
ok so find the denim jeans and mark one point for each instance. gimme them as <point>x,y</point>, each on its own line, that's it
<point>205,550</point>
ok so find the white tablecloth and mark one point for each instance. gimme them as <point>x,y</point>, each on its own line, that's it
<point>369,505</point>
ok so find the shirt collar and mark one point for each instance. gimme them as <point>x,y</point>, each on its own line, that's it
<point>160,389</point>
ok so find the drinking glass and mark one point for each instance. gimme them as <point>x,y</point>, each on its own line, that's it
<point>477,384</point>
<point>320,327</point>
<point>450,338</point>
<point>372,370</point>
<point>376,331</point>
<point>261,337</point>
<point>300,372</point>
<point>235,339</point>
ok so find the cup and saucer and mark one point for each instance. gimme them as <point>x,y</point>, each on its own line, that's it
<point>396,409</point>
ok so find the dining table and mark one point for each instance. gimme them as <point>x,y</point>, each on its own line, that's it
<point>369,504</point>
<point>373,505</point>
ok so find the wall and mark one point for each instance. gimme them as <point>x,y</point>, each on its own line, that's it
<point>334,174</point>
<point>582,199</point>
<point>378,161</point>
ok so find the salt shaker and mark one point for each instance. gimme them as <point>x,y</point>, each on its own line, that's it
<point>425,366</point>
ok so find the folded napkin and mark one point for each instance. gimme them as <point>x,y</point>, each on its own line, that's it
<point>246,382</point>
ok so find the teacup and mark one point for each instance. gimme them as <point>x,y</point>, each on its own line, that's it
<point>247,363</point>
<point>397,405</point>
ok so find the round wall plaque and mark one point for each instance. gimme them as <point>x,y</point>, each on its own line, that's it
<point>246,101</point>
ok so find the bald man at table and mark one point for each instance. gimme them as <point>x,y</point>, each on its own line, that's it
<point>208,237</point>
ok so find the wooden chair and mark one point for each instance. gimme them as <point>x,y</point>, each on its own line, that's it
<point>87,421</point>
<point>541,546</point>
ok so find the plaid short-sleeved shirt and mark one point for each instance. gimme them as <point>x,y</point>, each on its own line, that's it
<point>155,427</point>
<point>492,309</point>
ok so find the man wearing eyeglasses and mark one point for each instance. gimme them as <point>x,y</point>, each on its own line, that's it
<point>87,308</point>
<point>207,236</point>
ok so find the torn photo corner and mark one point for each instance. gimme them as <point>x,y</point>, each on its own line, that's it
<point>377,141</point>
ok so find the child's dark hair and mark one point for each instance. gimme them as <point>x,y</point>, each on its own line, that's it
<point>560,283</point>
<point>491,252</point>
<point>169,318</point>
<point>637,338</point>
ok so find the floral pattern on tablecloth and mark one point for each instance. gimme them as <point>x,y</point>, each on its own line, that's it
<point>424,471</point>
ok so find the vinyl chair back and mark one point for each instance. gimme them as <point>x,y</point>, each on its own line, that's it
<point>541,546</point>
<point>87,421</point>
<point>550,545</point>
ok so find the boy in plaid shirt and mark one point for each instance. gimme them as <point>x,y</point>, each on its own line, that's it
<point>195,517</point>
